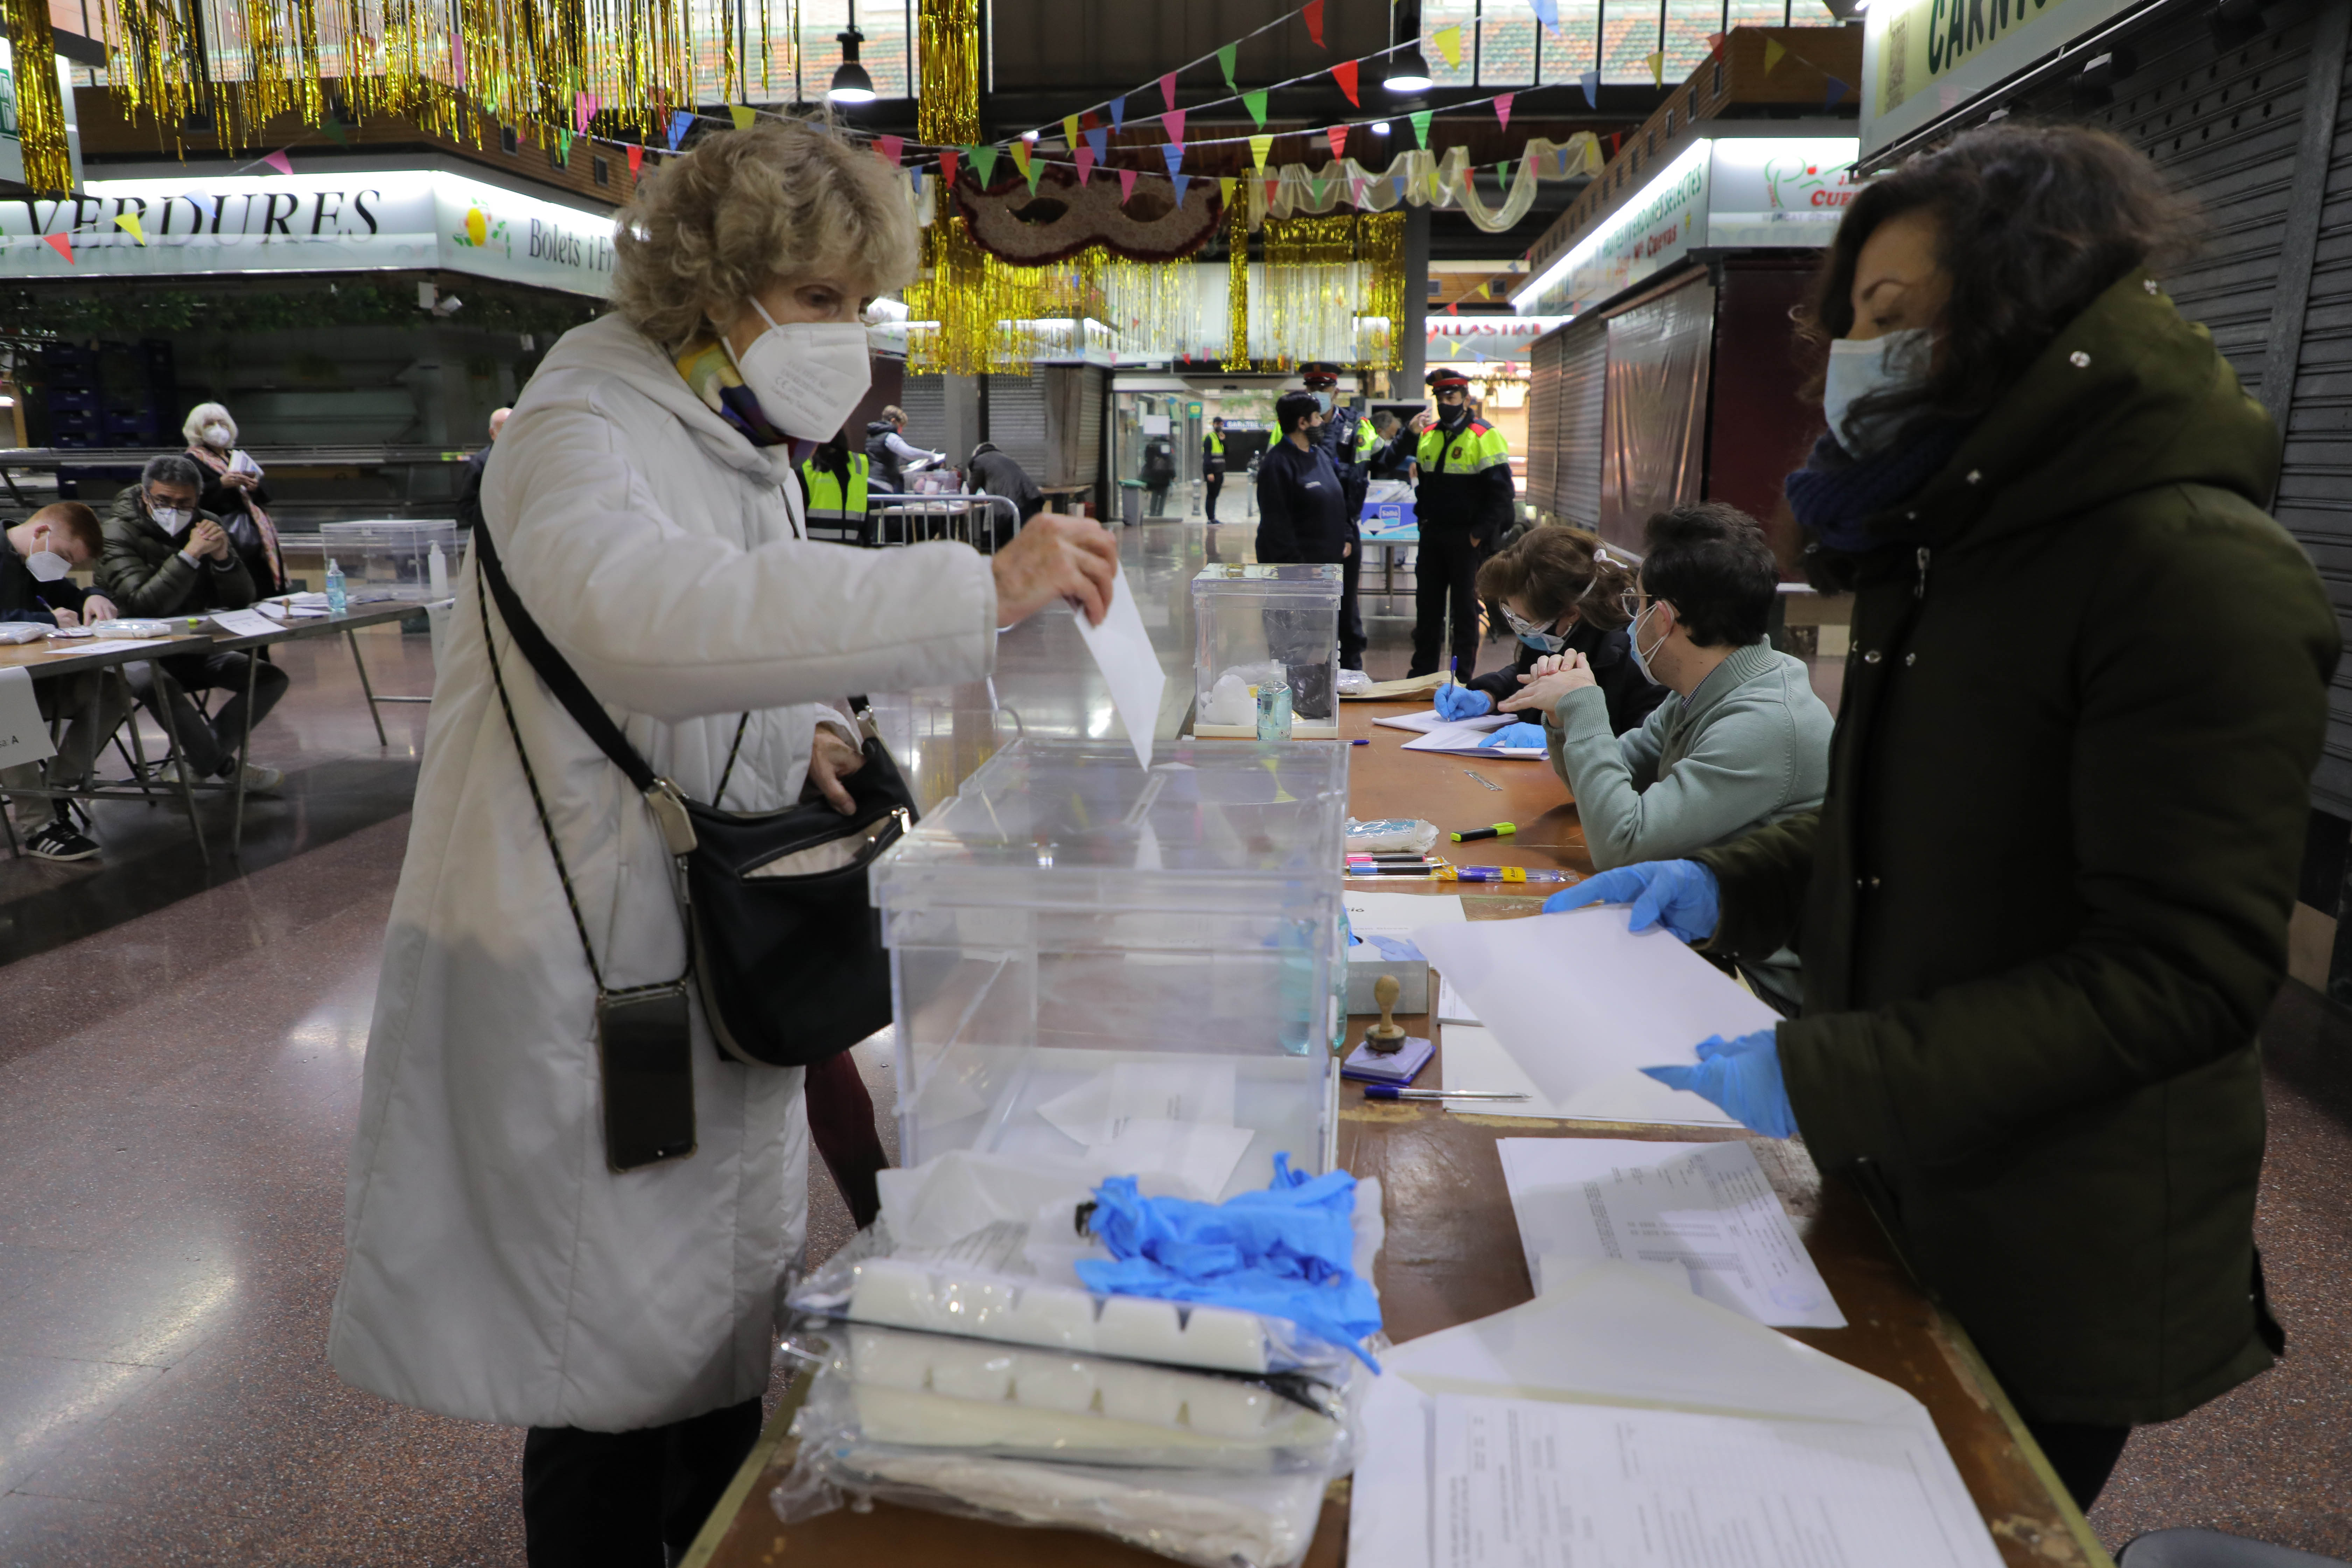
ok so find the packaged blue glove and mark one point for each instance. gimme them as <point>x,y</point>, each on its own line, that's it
<point>1678,894</point>
<point>1457,702</point>
<point>1285,1252</point>
<point>1515,735</point>
<point>1743,1076</point>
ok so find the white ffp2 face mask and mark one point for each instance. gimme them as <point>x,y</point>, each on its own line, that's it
<point>808,376</point>
<point>48,565</point>
<point>218,435</point>
<point>172,520</point>
<point>1860,367</point>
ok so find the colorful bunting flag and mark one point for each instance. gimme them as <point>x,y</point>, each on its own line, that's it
<point>60,243</point>
<point>1118,113</point>
<point>1226,59</point>
<point>1173,123</point>
<point>1449,44</point>
<point>1356,190</point>
<point>949,158</point>
<point>1021,158</point>
<point>1174,152</point>
<point>1225,183</point>
<point>564,146</point>
<point>680,123</point>
<point>1126,184</point>
<point>890,147</point>
<point>741,114</point>
<point>1656,60</point>
<point>637,159</point>
<point>1503,172</point>
<point>1168,90</point>
<point>1590,81</point>
<point>1714,42</point>
<point>1397,181</point>
<point>1313,17</point>
<point>1086,164</point>
<point>334,132</point>
<point>129,223</point>
<point>1773,51</point>
<point>915,178</point>
<point>1837,91</point>
<point>1272,189</point>
<point>1344,73</point>
<point>1259,147</point>
<point>1547,12</point>
<point>584,110</point>
<point>1255,103</point>
<point>278,161</point>
<point>1097,140</point>
<point>1503,109</point>
<point>1338,136</point>
<point>986,158</point>
<point>1454,307</point>
<point>1184,183</point>
<point>1419,118</point>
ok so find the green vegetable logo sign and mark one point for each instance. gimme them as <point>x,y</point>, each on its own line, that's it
<point>482,231</point>
<point>1800,183</point>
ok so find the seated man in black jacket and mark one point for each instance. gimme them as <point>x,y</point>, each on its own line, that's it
<point>994,472</point>
<point>1303,516</point>
<point>34,586</point>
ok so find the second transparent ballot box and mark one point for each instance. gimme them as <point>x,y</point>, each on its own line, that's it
<point>1091,961</point>
<point>1254,624</point>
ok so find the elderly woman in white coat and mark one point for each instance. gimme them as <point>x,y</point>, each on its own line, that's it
<point>643,504</point>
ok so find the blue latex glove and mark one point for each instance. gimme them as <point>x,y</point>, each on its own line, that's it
<point>1285,1252</point>
<point>1743,1076</point>
<point>1515,735</point>
<point>1457,702</point>
<point>1678,894</point>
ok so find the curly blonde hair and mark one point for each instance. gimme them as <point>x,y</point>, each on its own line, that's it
<point>743,208</point>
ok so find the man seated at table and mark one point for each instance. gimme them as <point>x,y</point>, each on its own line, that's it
<point>35,587</point>
<point>166,557</point>
<point>1742,743</point>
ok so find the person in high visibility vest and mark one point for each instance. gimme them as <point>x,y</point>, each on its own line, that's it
<point>1463,501</point>
<point>832,488</point>
<point>1348,439</point>
<point>1212,463</point>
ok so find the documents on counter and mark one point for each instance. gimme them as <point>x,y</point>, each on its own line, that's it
<point>1619,1419</point>
<point>1465,737</point>
<point>1702,1214</point>
<point>1475,1059</point>
<point>1430,719</point>
<point>1579,998</point>
<point>245,623</point>
<point>1122,651</point>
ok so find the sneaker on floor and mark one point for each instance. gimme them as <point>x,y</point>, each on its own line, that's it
<point>56,840</point>
<point>259,780</point>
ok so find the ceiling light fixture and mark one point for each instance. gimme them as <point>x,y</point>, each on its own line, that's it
<point>850,82</point>
<point>1407,70</point>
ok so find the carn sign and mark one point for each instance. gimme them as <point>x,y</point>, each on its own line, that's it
<point>357,222</point>
<point>1924,58</point>
<point>1719,194</point>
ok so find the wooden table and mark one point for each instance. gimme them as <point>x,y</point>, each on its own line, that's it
<point>50,659</point>
<point>1453,1250</point>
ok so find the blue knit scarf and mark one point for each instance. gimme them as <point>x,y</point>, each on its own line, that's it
<point>1835,493</point>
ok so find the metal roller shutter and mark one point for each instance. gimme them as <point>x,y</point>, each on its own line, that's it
<point>924,397</point>
<point>1074,412</point>
<point>1016,419</point>
<point>1584,394</point>
<point>1543,421</point>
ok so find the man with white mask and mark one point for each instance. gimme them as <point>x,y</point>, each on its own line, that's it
<point>644,512</point>
<point>34,587</point>
<point>167,556</point>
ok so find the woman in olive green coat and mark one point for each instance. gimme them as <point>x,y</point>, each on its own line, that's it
<point>2043,907</point>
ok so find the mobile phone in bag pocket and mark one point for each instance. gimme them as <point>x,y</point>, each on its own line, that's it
<point>645,1044</point>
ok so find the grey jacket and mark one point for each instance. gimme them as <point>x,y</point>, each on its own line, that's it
<point>1750,747</point>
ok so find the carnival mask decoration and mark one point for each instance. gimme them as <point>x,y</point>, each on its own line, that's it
<point>1062,217</point>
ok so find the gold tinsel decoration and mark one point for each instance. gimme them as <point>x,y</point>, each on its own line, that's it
<point>1237,291</point>
<point>40,107</point>
<point>1379,247</point>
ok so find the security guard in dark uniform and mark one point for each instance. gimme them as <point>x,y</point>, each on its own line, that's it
<point>1463,501</point>
<point>1212,463</point>
<point>1346,437</point>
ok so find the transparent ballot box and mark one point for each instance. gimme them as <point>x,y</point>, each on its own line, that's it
<point>390,558</point>
<point>1091,962</point>
<point>1253,621</point>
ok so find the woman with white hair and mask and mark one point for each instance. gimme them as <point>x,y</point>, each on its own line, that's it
<point>644,510</point>
<point>234,493</point>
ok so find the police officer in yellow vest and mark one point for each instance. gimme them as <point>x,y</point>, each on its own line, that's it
<point>833,487</point>
<point>1463,501</point>
<point>1212,463</point>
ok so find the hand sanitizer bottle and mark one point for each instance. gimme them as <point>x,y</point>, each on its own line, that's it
<point>1273,709</point>
<point>437,571</point>
<point>337,600</point>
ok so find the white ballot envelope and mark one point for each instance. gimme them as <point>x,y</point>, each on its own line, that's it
<point>1122,650</point>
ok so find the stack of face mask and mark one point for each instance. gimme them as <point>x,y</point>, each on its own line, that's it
<point>1207,1432</point>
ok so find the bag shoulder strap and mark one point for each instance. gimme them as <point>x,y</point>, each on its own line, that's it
<point>553,669</point>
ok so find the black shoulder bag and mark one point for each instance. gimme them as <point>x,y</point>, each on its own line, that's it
<point>786,948</point>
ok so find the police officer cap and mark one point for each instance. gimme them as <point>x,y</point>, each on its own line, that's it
<point>1445,376</point>
<point>1319,370</point>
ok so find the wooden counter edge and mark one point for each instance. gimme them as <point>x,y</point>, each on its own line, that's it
<point>738,1495</point>
<point>1971,1365</point>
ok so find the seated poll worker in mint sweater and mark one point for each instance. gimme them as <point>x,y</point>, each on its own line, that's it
<point>1742,743</point>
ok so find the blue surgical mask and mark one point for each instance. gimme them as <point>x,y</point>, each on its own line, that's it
<point>1534,636</point>
<point>1323,401</point>
<point>1634,642</point>
<point>1859,368</point>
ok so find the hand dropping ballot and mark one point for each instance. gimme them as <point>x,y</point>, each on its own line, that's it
<point>1122,651</point>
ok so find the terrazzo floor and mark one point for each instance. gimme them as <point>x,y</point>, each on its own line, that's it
<point>179,1073</point>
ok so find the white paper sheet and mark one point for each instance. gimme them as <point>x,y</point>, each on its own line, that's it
<point>1401,914</point>
<point>1195,1152</point>
<point>1531,1484</point>
<point>1706,1208</point>
<point>1577,998</point>
<point>1463,739</point>
<point>1610,1335</point>
<point>1122,651</point>
<point>24,737</point>
<point>111,644</point>
<point>1474,1059</point>
<point>1094,1110</point>
<point>1422,723</point>
<point>244,623</point>
<point>1452,1008</point>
